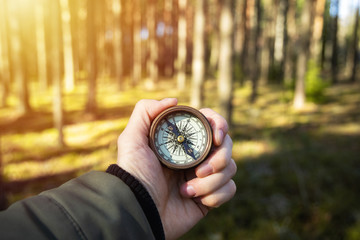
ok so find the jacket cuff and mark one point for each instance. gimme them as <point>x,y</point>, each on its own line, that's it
<point>142,195</point>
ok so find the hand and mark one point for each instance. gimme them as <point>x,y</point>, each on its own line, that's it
<point>182,197</point>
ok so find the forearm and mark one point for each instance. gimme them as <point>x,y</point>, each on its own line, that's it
<point>96,205</point>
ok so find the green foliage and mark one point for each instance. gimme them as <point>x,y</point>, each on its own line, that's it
<point>314,84</point>
<point>353,233</point>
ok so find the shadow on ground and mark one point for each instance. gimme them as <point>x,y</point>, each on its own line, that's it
<point>38,121</point>
<point>307,189</point>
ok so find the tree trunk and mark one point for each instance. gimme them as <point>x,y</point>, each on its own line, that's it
<point>153,46</point>
<point>4,55</point>
<point>256,51</point>
<point>303,51</point>
<point>67,46</point>
<point>238,33</point>
<point>18,58</point>
<point>181,59</point>
<point>290,55</point>
<point>326,38</point>
<point>41,45</point>
<point>198,64</point>
<point>137,70</point>
<point>265,53</point>
<point>214,38</point>
<point>245,30</point>
<point>118,56</point>
<point>55,55</point>
<point>315,50</point>
<point>271,38</point>
<point>168,9</point>
<point>280,36</point>
<point>75,34</point>
<point>225,80</point>
<point>100,19</point>
<point>334,56</point>
<point>355,48</point>
<point>92,57</point>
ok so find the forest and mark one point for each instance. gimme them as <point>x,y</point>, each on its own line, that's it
<point>284,73</point>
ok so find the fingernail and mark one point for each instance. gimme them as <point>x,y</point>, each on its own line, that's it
<point>190,191</point>
<point>219,136</point>
<point>204,170</point>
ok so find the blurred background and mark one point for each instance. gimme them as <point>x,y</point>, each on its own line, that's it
<point>284,73</point>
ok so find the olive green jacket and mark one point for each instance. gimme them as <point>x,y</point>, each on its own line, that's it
<point>97,205</point>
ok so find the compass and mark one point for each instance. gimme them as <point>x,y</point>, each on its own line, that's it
<point>181,137</point>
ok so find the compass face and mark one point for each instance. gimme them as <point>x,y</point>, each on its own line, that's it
<point>181,137</point>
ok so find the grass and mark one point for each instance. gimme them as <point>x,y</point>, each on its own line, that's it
<point>298,171</point>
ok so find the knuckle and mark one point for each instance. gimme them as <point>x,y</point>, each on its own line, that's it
<point>213,202</point>
<point>229,140</point>
<point>141,103</point>
<point>233,168</point>
<point>232,187</point>
<point>207,110</point>
<point>220,162</point>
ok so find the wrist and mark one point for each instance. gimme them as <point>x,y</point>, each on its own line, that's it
<point>143,197</point>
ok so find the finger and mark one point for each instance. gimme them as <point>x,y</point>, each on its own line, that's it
<point>203,186</point>
<point>145,111</point>
<point>218,123</point>
<point>217,161</point>
<point>220,196</point>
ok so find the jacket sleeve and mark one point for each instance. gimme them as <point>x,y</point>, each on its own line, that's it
<point>96,205</point>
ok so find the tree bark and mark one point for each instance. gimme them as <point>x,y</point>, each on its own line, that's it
<point>67,46</point>
<point>355,48</point>
<point>92,57</point>
<point>4,55</point>
<point>255,74</point>
<point>214,36</point>
<point>118,56</point>
<point>290,54</point>
<point>75,35</point>
<point>181,59</point>
<point>315,50</point>
<point>270,37</point>
<point>168,9</point>
<point>280,36</point>
<point>265,53</point>
<point>334,55</point>
<point>245,30</point>
<point>198,64</point>
<point>303,52</point>
<point>55,55</point>
<point>225,80</point>
<point>137,69</point>
<point>18,58</point>
<point>41,45</point>
<point>153,46</point>
<point>238,33</point>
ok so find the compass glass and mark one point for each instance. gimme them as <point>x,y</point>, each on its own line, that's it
<point>181,139</point>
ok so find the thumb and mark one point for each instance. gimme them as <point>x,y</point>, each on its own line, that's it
<point>145,111</point>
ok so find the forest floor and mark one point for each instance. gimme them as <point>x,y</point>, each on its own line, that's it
<point>298,171</point>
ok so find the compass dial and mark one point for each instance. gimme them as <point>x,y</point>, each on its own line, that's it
<point>181,137</point>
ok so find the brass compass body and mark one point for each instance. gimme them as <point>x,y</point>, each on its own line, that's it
<point>181,137</point>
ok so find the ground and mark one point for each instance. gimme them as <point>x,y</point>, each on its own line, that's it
<point>298,171</point>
